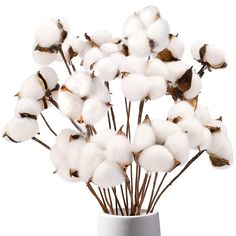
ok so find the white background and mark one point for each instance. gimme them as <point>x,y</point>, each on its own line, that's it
<point>35,202</point>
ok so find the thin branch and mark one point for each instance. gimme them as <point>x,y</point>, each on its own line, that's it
<point>128,110</point>
<point>64,59</point>
<point>141,105</point>
<point>41,142</point>
<point>153,190</point>
<point>111,203</point>
<point>117,201</point>
<point>202,70</point>
<point>47,124</point>
<point>103,199</point>
<point>124,201</point>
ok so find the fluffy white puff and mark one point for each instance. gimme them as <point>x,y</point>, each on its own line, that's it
<point>133,64</point>
<point>132,25</point>
<point>195,49</point>
<point>163,129</point>
<point>138,44</point>
<point>176,47</point>
<point>157,87</point>
<point>108,174</point>
<point>92,56</point>
<point>156,67</point>
<point>181,109</point>
<point>21,129</point>
<point>159,33</point>
<point>32,88</point>
<point>119,59</point>
<point>148,15</point>
<point>92,156</point>
<point>156,158</point>
<point>100,92</point>
<point>43,58</point>
<point>196,86</point>
<point>50,76</point>
<point>202,114</point>
<point>144,137</point>
<point>219,124</point>
<point>206,139</point>
<point>48,34</point>
<point>93,111</point>
<point>105,69</point>
<point>29,106</point>
<point>176,70</point>
<point>214,56</point>
<point>64,172</point>
<point>194,130</point>
<point>101,37</point>
<point>109,48</point>
<point>70,104</point>
<point>221,147</point>
<point>102,138</point>
<point>80,83</point>
<point>135,87</point>
<point>178,144</point>
<point>119,150</point>
<point>57,157</point>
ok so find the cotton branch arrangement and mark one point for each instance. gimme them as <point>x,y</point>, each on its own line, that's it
<point>125,170</point>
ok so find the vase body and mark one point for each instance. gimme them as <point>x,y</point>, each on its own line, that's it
<point>143,225</point>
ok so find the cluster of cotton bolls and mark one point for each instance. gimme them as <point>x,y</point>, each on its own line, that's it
<point>32,101</point>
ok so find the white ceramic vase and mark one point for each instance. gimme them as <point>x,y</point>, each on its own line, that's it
<point>143,225</point>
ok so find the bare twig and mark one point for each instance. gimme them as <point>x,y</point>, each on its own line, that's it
<point>64,59</point>
<point>117,201</point>
<point>47,124</point>
<point>41,142</point>
<point>141,105</point>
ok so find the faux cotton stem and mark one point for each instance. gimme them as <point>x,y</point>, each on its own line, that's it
<point>64,59</point>
<point>117,201</point>
<point>47,124</point>
<point>41,142</point>
<point>153,190</point>
<point>202,70</point>
<point>141,105</point>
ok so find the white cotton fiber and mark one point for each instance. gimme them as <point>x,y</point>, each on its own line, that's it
<point>135,87</point>
<point>144,137</point>
<point>156,67</point>
<point>101,37</point>
<point>50,76</point>
<point>100,92</point>
<point>118,59</point>
<point>92,156</point>
<point>92,56</point>
<point>176,47</point>
<point>157,87</point>
<point>57,157</point>
<point>156,158</point>
<point>148,15</point>
<point>43,58</point>
<point>202,114</point>
<point>163,129</point>
<point>194,130</point>
<point>109,48</point>
<point>206,139</point>
<point>93,111</point>
<point>108,174</point>
<point>133,64</point>
<point>214,56</point>
<point>178,144</point>
<point>132,25</point>
<point>181,109</point>
<point>217,124</point>
<point>119,150</point>
<point>195,49</point>
<point>103,137</point>
<point>64,172</point>
<point>195,88</point>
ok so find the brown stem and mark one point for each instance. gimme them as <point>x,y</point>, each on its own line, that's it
<point>127,197</point>
<point>103,199</point>
<point>117,200</point>
<point>131,188</point>
<point>111,203</point>
<point>128,109</point>
<point>124,201</point>
<point>141,105</point>
<point>137,180</point>
<point>202,70</point>
<point>47,124</point>
<point>177,176</point>
<point>64,59</point>
<point>153,190</point>
<point>96,196</point>
<point>141,193</point>
<point>109,119</point>
<point>41,142</point>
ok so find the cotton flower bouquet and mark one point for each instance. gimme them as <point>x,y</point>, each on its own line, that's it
<point>124,169</point>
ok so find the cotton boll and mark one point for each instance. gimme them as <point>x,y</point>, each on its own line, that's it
<point>103,137</point>
<point>221,147</point>
<point>194,130</point>
<point>101,37</point>
<point>80,83</point>
<point>157,67</point>
<point>135,87</point>
<point>202,114</point>
<point>92,156</point>
<point>157,87</point>
<point>64,172</point>
<point>63,22</point>
<point>105,69</point>
<point>195,88</point>
<point>43,58</point>
<point>109,48</point>
<point>132,25</point>
<point>57,157</point>
<point>206,139</point>
<point>156,158</point>
<point>133,64</point>
<point>214,56</point>
<point>181,109</point>
<point>159,33</point>
<point>108,174</point>
<point>21,129</point>
<point>138,44</point>
<point>48,34</point>
<point>176,70</point>
<point>144,137</point>
<point>148,15</point>
<point>28,106</point>
<point>93,111</point>
<point>176,47</point>
<point>218,124</point>
<point>100,92</point>
<point>50,76</point>
<point>119,150</point>
<point>195,49</point>
<point>163,129</point>
<point>32,88</point>
<point>118,59</point>
<point>70,104</point>
<point>92,56</point>
<point>178,144</point>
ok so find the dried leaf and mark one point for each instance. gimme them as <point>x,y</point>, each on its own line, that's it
<point>74,173</point>
<point>27,115</point>
<point>42,80</point>
<point>213,129</point>
<point>193,102</point>
<point>202,51</point>
<point>184,83</point>
<point>74,137</point>
<point>166,56</point>
<point>218,161</point>
<point>147,120</point>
